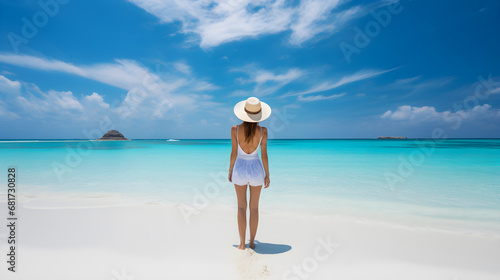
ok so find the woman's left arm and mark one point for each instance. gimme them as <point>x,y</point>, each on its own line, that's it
<point>234,152</point>
<point>265,159</point>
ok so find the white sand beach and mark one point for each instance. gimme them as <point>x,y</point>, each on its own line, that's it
<point>114,238</point>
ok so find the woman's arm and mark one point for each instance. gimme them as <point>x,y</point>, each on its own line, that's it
<point>265,161</point>
<point>234,152</point>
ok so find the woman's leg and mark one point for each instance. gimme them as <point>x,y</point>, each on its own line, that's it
<point>241,193</point>
<point>254,212</point>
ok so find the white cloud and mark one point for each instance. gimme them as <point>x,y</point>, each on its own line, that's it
<point>64,99</point>
<point>266,82</point>
<point>58,105</point>
<point>319,97</point>
<point>96,98</point>
<point>314,17</point>
<point>263,76</point>
<point>9,86</point>
<point>215,22</point>
<point>52,102</point>
<point>4,113</point>
<point>479,111</point>
<point>407,112</point>
<point>429,113</point>
<point>123,73</point>
<point>149,94</point>
<point>415,84</point>
<point>328,85</point>
<point>183,68</point>
<point>486,85</point>
<point>405,81</point>
<point>202,86</point>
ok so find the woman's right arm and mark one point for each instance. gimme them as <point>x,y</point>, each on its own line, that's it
<point>265,161</point>
<point>234,152</point>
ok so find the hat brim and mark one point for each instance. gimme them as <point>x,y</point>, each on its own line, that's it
<point>239,111</point>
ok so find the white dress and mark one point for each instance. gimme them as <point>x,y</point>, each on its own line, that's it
<point>248,168</point>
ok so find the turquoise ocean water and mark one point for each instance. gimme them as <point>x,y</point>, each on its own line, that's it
<point>448,184</point>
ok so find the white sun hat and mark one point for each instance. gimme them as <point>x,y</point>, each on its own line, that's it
<point>252,110</point>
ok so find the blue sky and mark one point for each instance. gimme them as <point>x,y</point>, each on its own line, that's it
<point>175,69</point>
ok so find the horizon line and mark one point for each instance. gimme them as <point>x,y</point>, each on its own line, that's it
<point>360,138</point>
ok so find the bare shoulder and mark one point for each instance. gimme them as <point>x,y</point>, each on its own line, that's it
<point>264,130</point>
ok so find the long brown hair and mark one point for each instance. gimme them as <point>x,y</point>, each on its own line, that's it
<point>250,128</point>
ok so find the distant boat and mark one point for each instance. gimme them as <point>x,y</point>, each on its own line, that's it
<point>172,140</point>
<point>392,137</point>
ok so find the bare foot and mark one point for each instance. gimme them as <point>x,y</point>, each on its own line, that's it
<point>242,246</point>
<point>252,245</point>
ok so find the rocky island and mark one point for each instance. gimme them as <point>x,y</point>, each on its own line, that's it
<point>391,137</point>
<point>113,135</point>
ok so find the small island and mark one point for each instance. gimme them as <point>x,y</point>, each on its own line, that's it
<point>392,137</point>
<point>113,135</point>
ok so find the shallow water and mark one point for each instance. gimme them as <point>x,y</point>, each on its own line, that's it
<point>447,183</point>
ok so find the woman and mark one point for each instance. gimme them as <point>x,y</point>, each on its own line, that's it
<point>245,166</point>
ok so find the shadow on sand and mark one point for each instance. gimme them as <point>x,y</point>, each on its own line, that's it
<point>269,248</point>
